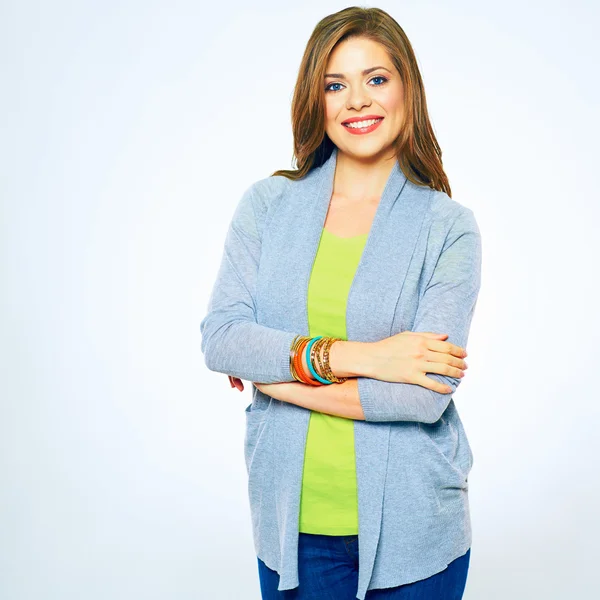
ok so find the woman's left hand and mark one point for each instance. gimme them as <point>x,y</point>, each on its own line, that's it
<point>280,391</point>
<point>236,383</point>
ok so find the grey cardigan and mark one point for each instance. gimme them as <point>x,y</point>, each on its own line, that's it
<point>420,270</point>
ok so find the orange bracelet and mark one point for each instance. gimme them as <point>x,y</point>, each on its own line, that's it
<point>298,365</point>
<point>296,342</point>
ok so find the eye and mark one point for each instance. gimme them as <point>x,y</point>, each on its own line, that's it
<point>380,77</point>
<point>383,79</point>
<point>328,88</point>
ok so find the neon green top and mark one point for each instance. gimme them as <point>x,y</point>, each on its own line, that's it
<point>329,497</point>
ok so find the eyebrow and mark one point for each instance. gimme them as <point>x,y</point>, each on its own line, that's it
<point>365,72</point>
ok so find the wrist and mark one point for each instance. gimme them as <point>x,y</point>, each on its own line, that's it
<point>349,358</point>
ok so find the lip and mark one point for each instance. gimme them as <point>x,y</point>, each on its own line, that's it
<point>363,130</point>
<point>361,118</point>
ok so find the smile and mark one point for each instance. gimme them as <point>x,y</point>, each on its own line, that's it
<point>360,127</point>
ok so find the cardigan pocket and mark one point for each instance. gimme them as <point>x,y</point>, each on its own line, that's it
<point>452,456</point>
<point>256,420</point>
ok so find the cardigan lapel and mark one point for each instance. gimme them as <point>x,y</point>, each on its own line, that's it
<point>290,245</point>
<point>393,237</point>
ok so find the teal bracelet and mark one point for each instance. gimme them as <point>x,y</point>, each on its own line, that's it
<point>308,361</point>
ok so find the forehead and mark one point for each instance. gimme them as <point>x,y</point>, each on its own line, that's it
<point>355,54</point>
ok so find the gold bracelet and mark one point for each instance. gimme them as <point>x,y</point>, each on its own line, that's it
<point>296,342</point>
<point>299,342</point>
<point>292,370</point>
<point>316,357</point>
<point>326,364</point>
<point>319,368</point>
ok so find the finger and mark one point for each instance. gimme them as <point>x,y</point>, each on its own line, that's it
<point>447,347</point>
<point>441,369</point>
<point>448,359</point>
<point>432,384</point>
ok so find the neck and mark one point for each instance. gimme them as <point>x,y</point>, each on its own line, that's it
<point>362,179</point>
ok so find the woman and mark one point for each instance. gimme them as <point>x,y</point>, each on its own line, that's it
<point>345,294</point>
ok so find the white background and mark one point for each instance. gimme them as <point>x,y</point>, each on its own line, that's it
<point>121,462</point>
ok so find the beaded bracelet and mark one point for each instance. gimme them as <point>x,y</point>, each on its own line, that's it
<point>326,367</point>
<point>319,367</point>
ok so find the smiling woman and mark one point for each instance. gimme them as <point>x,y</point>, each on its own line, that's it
<point>362,101</point>
<point>345,294</point>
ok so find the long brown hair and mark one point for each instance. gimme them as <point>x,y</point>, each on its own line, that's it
<point>417,150</point>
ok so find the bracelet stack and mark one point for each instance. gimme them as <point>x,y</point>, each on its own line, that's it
<point>320,371</point>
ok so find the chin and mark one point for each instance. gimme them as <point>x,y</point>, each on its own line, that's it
<point>364,150</point>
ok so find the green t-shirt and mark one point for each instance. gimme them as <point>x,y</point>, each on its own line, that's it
<point>329,497</point>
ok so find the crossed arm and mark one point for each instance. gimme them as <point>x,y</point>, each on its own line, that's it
<point>446,306</point>
<point>339,399</point>
<point>234,344</point>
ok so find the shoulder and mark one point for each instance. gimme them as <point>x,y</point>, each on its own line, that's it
<point>442,206</point>
<point>257,202</point>
<point>451,213</point>
<point>267,191</point>
<point>446,220</point>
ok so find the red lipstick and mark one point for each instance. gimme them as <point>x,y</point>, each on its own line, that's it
<point>362,130</point>
<point>361,118</point>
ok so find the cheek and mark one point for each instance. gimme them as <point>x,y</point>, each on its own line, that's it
<point>332,109</point>
<point>392,101</point>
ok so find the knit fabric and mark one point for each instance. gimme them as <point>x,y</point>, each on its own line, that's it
<point>420,271</point>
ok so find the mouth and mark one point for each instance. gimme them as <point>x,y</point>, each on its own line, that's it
<point>362,125</point>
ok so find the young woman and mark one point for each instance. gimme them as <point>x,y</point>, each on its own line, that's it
<point>345,294</point>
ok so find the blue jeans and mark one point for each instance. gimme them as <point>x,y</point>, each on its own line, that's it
<point>328,570</point>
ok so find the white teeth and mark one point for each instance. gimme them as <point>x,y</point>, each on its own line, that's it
<point>360,124</point>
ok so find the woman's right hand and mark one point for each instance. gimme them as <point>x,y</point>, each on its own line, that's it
<point>407,356</point>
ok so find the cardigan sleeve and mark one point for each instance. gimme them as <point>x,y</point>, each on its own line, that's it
<point>232,341</point>
<point>446,306</point>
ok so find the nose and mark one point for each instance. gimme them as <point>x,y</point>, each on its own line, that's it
<point>357,98</point>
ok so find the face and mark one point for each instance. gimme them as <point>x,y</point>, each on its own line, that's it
<point>364,84</point>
